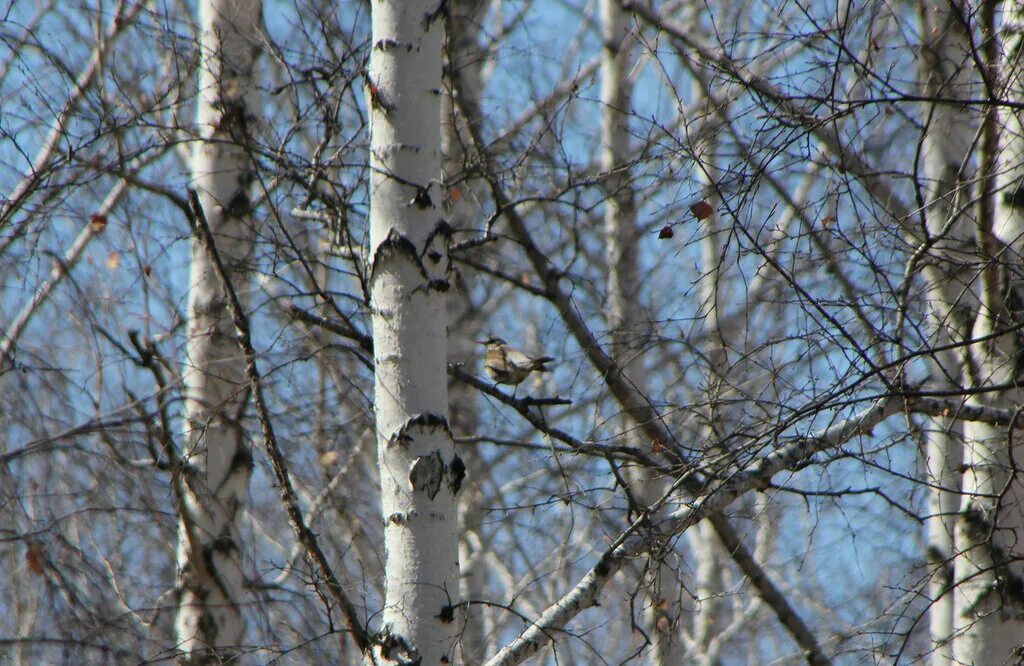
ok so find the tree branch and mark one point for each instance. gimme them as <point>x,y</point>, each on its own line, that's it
<point>305,536</point>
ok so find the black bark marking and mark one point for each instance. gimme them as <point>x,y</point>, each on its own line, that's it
<point>427,473</point>
<point>442,231</point>
<point>239,206</point>
<point>422,199</point>
<point>430,17</point>
<point>440,285</point>
<point>395,648</point>
<point>426,421</point>
<point>397,244</point>
<point>242,460</point>
<point>224,544</point>
<point>388,44</point>
<point>393,246</point>
<point>604,566</point>
<point>456,474</point>
<point>208,627</point>
<point>1015,197</point>
<point>447,614</point>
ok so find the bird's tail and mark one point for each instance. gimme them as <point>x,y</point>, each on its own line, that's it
<point>540,364</point>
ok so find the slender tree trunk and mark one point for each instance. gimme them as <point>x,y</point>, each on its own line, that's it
<point>420,472</point>
<point>989,568</point>
<point>463,59</point>
<point>708,553</point>
<point>217,460</point>
<point>946,167</point>
<point>944,450</point>
<point>624,317</point>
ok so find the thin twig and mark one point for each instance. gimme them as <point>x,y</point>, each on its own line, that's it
<point>305,536</point>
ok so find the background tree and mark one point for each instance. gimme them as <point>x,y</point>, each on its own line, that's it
<point>212,482</point>
<point>464,60</point>
<point>947,168</point>
<point>987,574</point>
<point>822,316</point>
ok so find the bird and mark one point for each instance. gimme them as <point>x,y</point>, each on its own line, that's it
<point>506,365</point>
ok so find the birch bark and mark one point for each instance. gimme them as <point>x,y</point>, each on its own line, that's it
<point>707,549</point>
<point>217,460</point>
<point>463,61</point>
<point>662,607</point>
<point>989,569</point>
<point>946,72</point>
<point>419,469</point>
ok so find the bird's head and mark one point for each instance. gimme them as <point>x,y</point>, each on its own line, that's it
<point>493,341</point>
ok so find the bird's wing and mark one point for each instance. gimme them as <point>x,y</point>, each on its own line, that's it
<point>519,359</point>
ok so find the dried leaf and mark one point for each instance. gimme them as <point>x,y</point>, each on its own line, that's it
<point>329,458</point>
<point>98,222</point>
<point>666,232</point>
<point>113,260</point>
<point>702,210</point>
<point>34,558</point>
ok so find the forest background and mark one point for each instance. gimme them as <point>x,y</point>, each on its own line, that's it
<point>773,245</point>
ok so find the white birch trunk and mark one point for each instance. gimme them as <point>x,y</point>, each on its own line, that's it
<point>988,603</point>
<point>989,569</point>
<point>213,488</point>
<point>420,472</point>
<point>620,209</point>
<point>661,609</point>
<point>946,71</point>
<point>707,549</point>
<point>463,65</point>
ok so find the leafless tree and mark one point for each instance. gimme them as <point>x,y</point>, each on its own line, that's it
<point>773,247</point>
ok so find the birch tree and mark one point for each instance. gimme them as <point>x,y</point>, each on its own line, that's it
<point>988,570</point>
<point>463,66</point>
<point>663,605</point>
<point>217,462</point>
<point>743,391</point>
<point>946,160</point>
<point>420,472</point>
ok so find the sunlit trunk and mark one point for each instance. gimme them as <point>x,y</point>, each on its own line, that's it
<point>463,83</point>
<point>989,567</point>
<point>419,470</point>
<point>661,607</point>
<point>217,459</point>
<point>946,73</point>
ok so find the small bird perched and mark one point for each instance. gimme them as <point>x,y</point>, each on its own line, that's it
<point>510,366</point>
